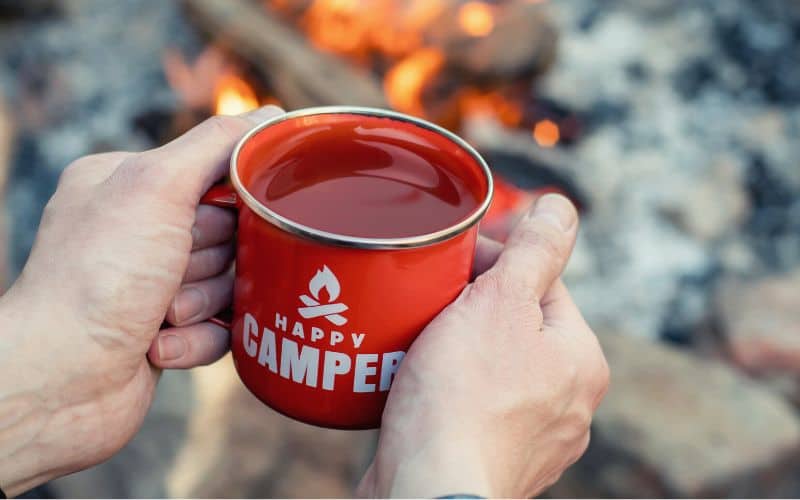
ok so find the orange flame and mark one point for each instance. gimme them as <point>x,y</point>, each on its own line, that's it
<point>405,81</point>
<point>473,102</point>
<point>476,18</point>
<point>546,133</point>
<point>233,96</point>
<point>336,25</point>
<point>360,28</point>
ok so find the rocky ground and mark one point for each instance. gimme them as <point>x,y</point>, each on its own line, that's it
<point>688,264</point>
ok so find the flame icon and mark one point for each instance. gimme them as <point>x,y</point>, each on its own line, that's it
<point>323,279</point>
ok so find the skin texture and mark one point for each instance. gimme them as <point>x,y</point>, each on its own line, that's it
<point>124,247</point>
<point>529,375</point>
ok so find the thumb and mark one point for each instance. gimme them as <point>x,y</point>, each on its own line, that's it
<point>537,250</point>
<point>186,167</point>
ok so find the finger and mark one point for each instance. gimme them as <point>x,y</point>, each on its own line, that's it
<point>189,346</point>
<point>537,249</point>
<point>212,226</point>
<point>201,300</point>
<point>487,251</point>
<point>185,168</point>
<point>208,262</point>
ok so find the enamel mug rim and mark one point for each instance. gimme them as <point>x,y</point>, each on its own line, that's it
<point>293,227</point>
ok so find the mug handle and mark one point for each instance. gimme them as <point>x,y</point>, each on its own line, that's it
<point>222,195</point>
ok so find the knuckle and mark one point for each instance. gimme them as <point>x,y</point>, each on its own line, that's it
<point>91,169</point>
<point>579,449</point>
<point>603,376</point>
<point>549,243</point>
<point>500,287</point>
<point>574,424</point>
<point>584,445</point>
<point>598,372</point>
<point>230,127</point>
<point>583,421</point>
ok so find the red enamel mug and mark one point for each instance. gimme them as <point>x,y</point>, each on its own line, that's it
<point>321,321</point>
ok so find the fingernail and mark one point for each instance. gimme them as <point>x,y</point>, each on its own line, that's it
<point>188,303</point>
<point>263,114</point>
<point>556,210</point>
<point>170,347</point>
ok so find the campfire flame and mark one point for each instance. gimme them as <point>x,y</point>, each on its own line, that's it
<point>404,41</point>
<point>361,28</point>
<point>212,82</point>
<point>233,96</point>
<point>324,279</point>
<point>336,26</point>
<point>476,18</point>
<point>491,104</point>
<point>546,133</point>
<point>405,81</point>
<point>404,36</point>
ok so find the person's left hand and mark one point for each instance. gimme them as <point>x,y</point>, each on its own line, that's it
<point>122,246</point>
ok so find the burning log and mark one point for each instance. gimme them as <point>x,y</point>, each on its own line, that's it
<point>301,75</point>
<point>528,164</point>
<point>490,44</point>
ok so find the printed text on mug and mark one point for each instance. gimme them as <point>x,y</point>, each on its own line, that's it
<point>317,366</point>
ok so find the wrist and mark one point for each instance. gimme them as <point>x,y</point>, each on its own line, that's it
<point>440,467</point>
<point>24,416</point>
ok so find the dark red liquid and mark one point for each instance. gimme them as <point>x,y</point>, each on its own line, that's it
<point>368,181</point>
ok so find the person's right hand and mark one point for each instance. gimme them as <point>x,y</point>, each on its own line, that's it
<point>496,396</point>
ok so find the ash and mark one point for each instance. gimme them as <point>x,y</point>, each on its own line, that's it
<point>690,159</point>
<point>76,77</point>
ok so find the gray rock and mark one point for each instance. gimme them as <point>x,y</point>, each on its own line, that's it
<point>676,425</point>
<point>760,323</point>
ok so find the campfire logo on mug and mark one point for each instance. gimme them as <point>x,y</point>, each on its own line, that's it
<point>323,279</point>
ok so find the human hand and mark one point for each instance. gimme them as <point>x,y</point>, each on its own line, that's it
<point>122,245</point>
<point>496,395</point>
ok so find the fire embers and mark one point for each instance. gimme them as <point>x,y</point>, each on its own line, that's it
<point>316,366</point>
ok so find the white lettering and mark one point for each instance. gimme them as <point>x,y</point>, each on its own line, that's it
<point>336,363</point>
<point>357,339</point>
<point>336,337</point>
<point>299,367</point>
<point>267,355</point>
<point>250,331</point>
<point>316,333</point>
<point>297,331</point>
<point>391,362</point>
<point>364,370</point>
<point>280,322</point>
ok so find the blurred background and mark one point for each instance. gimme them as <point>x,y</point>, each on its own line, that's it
<point>673,124</point>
